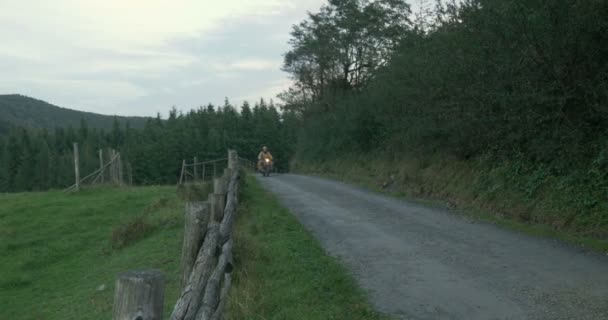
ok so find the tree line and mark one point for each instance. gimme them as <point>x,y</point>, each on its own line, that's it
<point>42,159</point>
<point>521,80</point>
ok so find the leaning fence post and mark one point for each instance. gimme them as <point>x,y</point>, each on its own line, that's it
<point>181,176</point>
<point>101,164</point>
<point>76,166</point>
<point>196,218</point>
<point>139,295</point>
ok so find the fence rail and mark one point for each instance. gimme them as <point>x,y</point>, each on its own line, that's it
<point>113,169</point>
<point>206,260</point>
<point>201,171</point>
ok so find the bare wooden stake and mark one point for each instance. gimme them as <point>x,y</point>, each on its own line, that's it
<point>139,295</point>
<point>233,159</point>
<point>112,166</point>
<point>76,166</point>
<point>101,164</point>
<point>181,177</point>
<point>195,169</point>
<point>196,218</point>
<point>121,180</point>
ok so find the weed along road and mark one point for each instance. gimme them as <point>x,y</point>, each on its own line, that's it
<point>424,263</point>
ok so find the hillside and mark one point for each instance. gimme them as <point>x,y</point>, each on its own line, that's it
<point>28,112</point>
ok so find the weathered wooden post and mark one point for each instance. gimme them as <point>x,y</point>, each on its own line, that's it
<point>233,159</point>
<point>121,181</point>
<point>190,300</point>
<point>113,166</point>
<point>101,164</point>
<point>181,177</point>
<point>211,297</point>
<point>139,295</point>
<point>76,166</point>
<point>197,216</point>
<point>217,199</point>
<point>204,172</point>
<point>214,170</point>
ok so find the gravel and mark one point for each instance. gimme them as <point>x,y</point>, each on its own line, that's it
<point>417,262</point>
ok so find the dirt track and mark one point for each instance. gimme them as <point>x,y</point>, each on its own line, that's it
<point>424,263</point>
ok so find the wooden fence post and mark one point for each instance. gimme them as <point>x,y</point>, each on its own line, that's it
<point>203,172</point>
<point>197,216</point>
<point>217,200</point>
<point>139,295</point>
<point>195,169</point>
<point>233,159</point>
<point>76,166</point>
<point>121,180</point>
<point>101,164</point>
<point>113,166</point>
<point>181,177</point>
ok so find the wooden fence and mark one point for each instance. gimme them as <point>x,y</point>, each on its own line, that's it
<point>110,172</point>
<point>207,170</point>
<point>206,261</point>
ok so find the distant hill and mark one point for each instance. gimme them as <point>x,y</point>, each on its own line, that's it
<point>18,110</point>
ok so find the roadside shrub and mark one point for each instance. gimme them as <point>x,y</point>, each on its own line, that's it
<point>130,232</point>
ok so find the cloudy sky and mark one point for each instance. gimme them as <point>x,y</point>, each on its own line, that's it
<point>139,57</point>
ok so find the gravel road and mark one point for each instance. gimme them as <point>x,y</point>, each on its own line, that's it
<point>417,262</point>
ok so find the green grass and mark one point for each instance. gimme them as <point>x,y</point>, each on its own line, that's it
<point>57,249</point>
<point>474,190</point>
<point>281,270</point>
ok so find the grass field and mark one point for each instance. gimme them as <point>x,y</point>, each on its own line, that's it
<point>281,270</point>
<point>61,252</point>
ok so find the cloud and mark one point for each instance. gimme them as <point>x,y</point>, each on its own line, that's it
<point>139,57</point>
<point>255,64</point>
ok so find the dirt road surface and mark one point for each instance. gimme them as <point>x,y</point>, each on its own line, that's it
<point>417,262</point>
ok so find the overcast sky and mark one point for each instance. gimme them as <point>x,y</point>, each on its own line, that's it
<point>139,57</point>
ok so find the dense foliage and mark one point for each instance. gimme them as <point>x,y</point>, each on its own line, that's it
<point>38,160</point>
<point>511,79</point>
<point>22,111</point>
<point>518,85</point>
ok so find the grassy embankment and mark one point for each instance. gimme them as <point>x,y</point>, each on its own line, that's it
<point>61,252</point>
<point>281,270</point>
<point>528,200</point>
